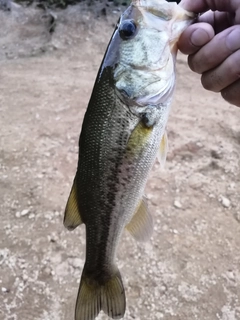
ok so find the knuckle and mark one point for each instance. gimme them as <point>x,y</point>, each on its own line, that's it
<point>232,40</point>
<point>193,63</point>
<point>231,93</point>
<point>233,66</point>
<point>211,81</point>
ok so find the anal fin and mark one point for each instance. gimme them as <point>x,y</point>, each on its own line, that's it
<point>72,217</point>
<point>141,225</point>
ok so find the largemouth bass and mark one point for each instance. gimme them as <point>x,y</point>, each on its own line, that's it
<point>122,132</point>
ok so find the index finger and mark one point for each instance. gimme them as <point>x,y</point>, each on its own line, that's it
<point>199,6</point>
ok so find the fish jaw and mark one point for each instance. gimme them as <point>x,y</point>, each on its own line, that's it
<point>163,12</point>
<point>166,16</point>
<point>145,72</point>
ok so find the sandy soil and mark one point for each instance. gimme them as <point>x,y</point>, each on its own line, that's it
<point>190,268</point>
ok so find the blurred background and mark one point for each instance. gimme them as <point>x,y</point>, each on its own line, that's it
<point>50,53</point>
<point>6,4</point>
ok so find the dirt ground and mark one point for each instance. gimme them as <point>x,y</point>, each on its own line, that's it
<point>190,268</point>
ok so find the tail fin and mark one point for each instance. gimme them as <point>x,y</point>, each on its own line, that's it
<point>94,297</point>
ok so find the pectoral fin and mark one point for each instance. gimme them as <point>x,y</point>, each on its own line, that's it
<point>141,225</point>
<point>162,153</point>
<point>72,217</point>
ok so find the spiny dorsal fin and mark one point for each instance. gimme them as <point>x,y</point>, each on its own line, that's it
<point>141,225</point>
<point>162,153</point>
<point>72,217</point>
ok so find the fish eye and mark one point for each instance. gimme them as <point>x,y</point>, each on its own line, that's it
<point>127,29</point>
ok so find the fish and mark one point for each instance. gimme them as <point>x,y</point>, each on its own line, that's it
<point>123,132</point>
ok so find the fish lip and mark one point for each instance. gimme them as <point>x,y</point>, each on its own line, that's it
<point>164,11</point>
<point>157,4</point>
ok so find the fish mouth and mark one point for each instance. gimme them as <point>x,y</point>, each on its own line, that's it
<point>150,79</point>
<point>153,89</point>
<point>161,97</point>
<point>162,15</point>
<point>154,98</point>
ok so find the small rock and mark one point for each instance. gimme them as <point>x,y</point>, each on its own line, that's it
<point>159,315</point>
<point>177,204</point>
<point>232,186</point>
<point>230,275</point>
<point>162,288</point>
<point>225,201</point>
<point>18,215</point>
<point>25,277</point>
<point>76,262</point>
<point>48,215</point>
<point>53,237</point>
<point>211,196</point>
<point>216,154</point>
<point>24,212</point>
<point>165,227</point>
<point>47,271</point>
<point>4,290</point>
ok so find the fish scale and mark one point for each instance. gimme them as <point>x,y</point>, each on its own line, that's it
<point>101,187</point>
<point>123,130</point>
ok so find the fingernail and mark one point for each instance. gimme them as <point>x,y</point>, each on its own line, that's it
<point>233,40</point>
<point>199,37</point>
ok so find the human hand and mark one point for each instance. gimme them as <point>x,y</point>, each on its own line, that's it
<point>213,45</point>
